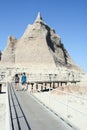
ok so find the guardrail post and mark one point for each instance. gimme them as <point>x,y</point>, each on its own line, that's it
<point>36,86</point>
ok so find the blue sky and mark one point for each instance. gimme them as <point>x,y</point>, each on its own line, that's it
<point>67,17</point>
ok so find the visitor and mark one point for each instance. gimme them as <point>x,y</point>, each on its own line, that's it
<point>24,81</point>
<point>16,81</point>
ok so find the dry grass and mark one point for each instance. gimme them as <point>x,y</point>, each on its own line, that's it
<point>70,89</point>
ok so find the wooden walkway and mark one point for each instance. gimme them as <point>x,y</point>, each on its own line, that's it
<point>27,114</point>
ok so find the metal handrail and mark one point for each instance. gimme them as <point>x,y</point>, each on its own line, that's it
<point>69,106</point>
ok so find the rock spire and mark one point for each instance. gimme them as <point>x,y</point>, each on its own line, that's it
<point>39,18</point>
<point>39,46</point>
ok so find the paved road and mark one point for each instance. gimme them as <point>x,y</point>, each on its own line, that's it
<point>28,114</point>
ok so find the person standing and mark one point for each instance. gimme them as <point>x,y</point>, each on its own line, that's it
<point>16,81</point>
<point>24,81</point>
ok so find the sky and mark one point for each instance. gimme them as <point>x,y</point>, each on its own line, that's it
<point>67,17</point>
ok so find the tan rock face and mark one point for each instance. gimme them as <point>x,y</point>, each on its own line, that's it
<point>8,55</point>
<point>39,45</point>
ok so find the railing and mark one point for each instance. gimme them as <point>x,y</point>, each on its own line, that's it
<point>71,107</point>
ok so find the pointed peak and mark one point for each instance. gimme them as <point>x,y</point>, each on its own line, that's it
<point>39,18</point>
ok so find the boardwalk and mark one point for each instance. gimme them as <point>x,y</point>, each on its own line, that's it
<point>28,114</point>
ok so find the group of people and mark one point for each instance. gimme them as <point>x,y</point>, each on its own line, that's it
<point>23,81</point>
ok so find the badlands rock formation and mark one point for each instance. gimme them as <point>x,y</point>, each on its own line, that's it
<point>39,46</point>
<point>39,53</point>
